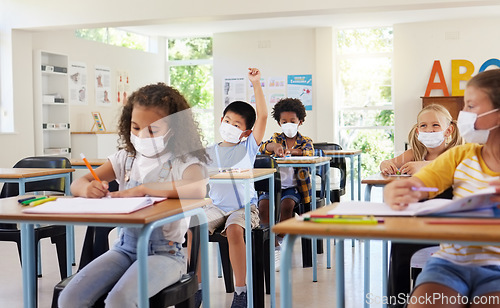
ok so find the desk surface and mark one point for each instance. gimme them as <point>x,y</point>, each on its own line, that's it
<point>301,160</point>
<point>342,152</point>
<point>19,173</point>
<point>249,174</point>
<point>10,209</point>
<point>402,228</point>
<point>92,161</point>
<point>380,179</point>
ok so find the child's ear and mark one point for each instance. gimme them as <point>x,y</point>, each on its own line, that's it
<point>246,133</point>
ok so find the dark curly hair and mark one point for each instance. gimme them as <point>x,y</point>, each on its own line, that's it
<point>186,137</point>
<point>289,104</point>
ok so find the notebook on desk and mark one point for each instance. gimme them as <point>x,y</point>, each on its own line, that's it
<point>473,203</point>
<point>91,205</point>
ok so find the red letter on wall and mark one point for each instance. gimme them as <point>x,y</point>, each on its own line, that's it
<point>441,85</point>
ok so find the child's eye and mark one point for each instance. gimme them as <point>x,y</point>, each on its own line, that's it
<point>236,125</point>
<point>423,126</point>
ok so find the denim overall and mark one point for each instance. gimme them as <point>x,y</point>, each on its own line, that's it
<point>127,242</point>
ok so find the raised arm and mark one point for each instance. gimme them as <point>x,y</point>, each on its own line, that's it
<point>259,128</point>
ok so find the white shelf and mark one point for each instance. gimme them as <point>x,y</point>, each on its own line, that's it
<point>53,140</point>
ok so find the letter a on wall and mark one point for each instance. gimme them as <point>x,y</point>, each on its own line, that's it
<point>441,85</point>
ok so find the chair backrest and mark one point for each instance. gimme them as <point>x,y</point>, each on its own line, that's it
<point>339,163</point>
<point>266,161</point>
<point>55,185</point>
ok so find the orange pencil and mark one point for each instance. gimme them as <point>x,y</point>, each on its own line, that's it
<point>90,168</point>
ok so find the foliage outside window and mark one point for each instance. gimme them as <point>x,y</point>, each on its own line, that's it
<point>366,112</point>
<point>190,71</point>
<point>115,37</point>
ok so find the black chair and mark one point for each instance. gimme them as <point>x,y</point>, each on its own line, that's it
<point>57,234</point>
<point>260,239</point>
<point>337,163</point>
<point>180,294</point>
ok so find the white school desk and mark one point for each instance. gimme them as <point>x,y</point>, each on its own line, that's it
<point>21,176</point>
<point>300,161</point>
<point>249,177</point>
<point>405,229</point>
<point>349,154</point>
<point>148,218</point>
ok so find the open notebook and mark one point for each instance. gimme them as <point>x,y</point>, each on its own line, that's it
<point>91,205</point>
<point>474,202</point>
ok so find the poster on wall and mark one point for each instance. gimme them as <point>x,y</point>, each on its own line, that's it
<point>233,89</point>
<point>300,87</point>
<point>102,86</point>
<point>122,87</point>
<point>251,100</point>
<point>276,89</point>
<point>78,83</point>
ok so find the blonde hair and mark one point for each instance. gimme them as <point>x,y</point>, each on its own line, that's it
<point>420,150</point>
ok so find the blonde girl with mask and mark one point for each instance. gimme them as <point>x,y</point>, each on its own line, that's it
<point>434,133</point>
<point>468,271</point>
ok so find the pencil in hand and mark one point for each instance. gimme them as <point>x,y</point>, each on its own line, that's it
<point>90,168</point>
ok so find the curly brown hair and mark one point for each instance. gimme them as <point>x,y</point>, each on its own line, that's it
<point>289,104</point>
<point>186,137</point>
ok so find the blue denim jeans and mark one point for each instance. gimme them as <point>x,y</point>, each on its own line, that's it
<point>116,272</point>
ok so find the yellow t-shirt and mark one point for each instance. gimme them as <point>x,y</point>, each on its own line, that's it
<point>464,169</point>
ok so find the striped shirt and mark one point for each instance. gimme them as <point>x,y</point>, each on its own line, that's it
<point>302,176</point>
<point>464,169</point>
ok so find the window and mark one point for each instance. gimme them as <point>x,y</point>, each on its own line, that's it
<point>189,66</point>
<point>116,37</point>
<point>366,111</point>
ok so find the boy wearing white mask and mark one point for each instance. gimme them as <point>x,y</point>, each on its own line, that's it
<point>434,133</point>
<point>469,271</point>
<point>290,113</point>
<point>238,150</point>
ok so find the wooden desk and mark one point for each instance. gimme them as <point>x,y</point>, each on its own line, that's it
<point>148,218</point>
<point>249,177</point>
<point>349,154</point>
<point>24,175</point>
<point>312,163</point>
<point>404,229</point>
<point>378,180</point>
<point>78,163</point>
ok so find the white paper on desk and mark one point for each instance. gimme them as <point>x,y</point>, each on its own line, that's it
<point>430,207</point>
<point>91,205</point>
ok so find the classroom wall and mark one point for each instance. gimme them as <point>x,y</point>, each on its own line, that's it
<point>289,52</point>
<point>143,68</point>
<point>417,45</point>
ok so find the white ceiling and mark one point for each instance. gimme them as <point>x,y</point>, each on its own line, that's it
<point>339,20</point>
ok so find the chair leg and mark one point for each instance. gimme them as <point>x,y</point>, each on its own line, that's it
<point>267,264</point>
<point>62,250</point>
<point>219,262</point>
<point>306,252</point>
<point>258,267</point>
<point>226,266</point>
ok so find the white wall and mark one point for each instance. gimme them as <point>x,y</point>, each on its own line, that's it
<point>417,45</point>
<point>144,68</point>
<point>293,51</point>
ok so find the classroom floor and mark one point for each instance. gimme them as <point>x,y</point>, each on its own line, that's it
<point>305,292</point>
<point>319,294</point>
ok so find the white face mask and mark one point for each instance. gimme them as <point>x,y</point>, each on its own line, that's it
<point>290,129</point>
<point>431,140</point>
<point>230,133</point>
<point>150,147</point>
<point>466,122</point>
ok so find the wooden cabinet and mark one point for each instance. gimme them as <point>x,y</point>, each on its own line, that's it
<point>453,103</point>
<point>51,104</point>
